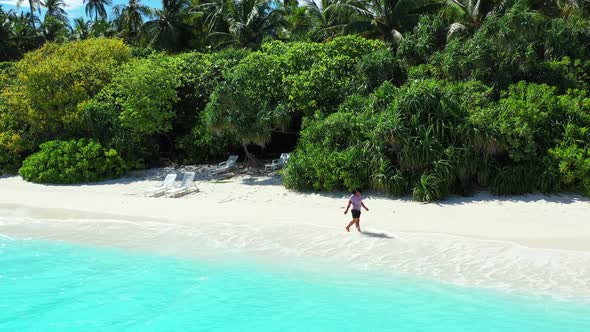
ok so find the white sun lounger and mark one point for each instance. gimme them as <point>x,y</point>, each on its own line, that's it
<point>225,166</point>
<point>278,163</point>
<point>186,186</point>
<point>161,188</point>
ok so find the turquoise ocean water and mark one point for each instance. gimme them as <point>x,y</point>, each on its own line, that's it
<point>48,286</point>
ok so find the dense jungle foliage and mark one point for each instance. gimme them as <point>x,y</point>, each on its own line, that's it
<point>427,98</point>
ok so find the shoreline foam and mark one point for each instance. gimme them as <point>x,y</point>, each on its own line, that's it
<point>268,222</point>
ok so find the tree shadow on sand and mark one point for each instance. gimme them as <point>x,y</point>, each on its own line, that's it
<point>377,235</point>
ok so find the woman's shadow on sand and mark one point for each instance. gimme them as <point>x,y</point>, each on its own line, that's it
<point>377,235</point>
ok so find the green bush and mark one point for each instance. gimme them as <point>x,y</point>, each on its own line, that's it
<point>500,52</point>
<point>502,105</point>
<point>328,156</point>
<point>145,91</point>
<point>413,138</point>
<point>201,145</point>
<point>377,67</point>
<point>565,74</point>
<point>239,107</point>
<point>200,74</point>
<point>429,36</point>
<point>572,152</point>
<point>525,121</point>
<point>72,162</point>
<point>271,89</point>
<point>11,151</point>
<point>15,142</point>
<point>354,47</point>
<point>430,188</point>
<point>51,82</point>
<point>568,36</point>
<point>324,86</point>
<point>134,110</point>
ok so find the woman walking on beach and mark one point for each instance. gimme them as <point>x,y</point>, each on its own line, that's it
<point>357,202</point>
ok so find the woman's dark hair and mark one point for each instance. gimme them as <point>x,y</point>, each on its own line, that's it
<point>357,189</point>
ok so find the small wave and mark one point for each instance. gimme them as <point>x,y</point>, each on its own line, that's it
<point>457,260</point>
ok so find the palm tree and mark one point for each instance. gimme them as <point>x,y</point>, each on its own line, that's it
<point>330,17</point>
<point>129,19</point>
<point>97,8</point>
<point>242,22</point>
<point>24,35</point>
<point>102,28</point>
<point>6,46</point>
<point>53,29</point>
<point>470,12</point>
<point>81,29</point>
<point>55,9</point>
<point>34,5</point>
<point>388,19</point>
<point>169,28</point>
<point>300,22</point>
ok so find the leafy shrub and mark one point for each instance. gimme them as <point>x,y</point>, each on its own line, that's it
<point>328,157</point>
<point>324,86</point>
<point>572,152</point>
<point>429,188</point>
<point>51,82</point>
<point>429,36</point>
<point>201,145</point>
<point>574,166</point>
<point>199,75</point>
<point>415,137</point>
<point>11,151</point>
<point>132,111</point>
<point>238,107</point>
<point>297,56</point>
<point>377,67</point>
<point>520,178</point>
<point>71,162</point>
<point>145,91</point>
<point>14,141</point>
<point>542,139</point>
<point>568,36</point>
<point>565,74</point>
<point>500,52</point>
<point>525,121</point>
<point>352,46</point>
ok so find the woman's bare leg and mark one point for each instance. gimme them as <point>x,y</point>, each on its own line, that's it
<point>354,221</point>
<point>358,224</point>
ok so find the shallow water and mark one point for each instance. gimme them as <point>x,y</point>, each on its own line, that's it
<point>57,286</point>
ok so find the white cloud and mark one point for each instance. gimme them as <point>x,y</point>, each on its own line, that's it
<point>8,2</point>
<point>70,4</point>
<point>74,4</point>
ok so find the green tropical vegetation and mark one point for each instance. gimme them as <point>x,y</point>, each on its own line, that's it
<point>426,98</point>
<point>71,162</point>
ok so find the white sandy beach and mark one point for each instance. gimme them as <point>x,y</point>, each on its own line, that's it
<point>531,243</point>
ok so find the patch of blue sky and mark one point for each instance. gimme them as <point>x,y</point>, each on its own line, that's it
<point>74,8</point>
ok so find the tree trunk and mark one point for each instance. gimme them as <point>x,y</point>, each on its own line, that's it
<point>32,10</point>
<point>250,159</point>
